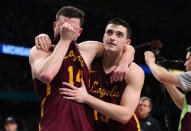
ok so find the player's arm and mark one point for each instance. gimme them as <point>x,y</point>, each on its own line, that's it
<point>89,50</point>
<point>128,55</point>
<point>121,72</point>
<point>160,73</point>
<point>46,65</point>
<point>176,95</point>
<point>130,98</point>
<point>92,49</point>
<point>96,49</point>
<point>45,69</point>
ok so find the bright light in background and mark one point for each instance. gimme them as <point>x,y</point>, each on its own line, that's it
<point>14,50</point>
<point>175,71</point>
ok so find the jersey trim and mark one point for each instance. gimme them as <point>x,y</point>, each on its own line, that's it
<point>48,92</point>
<point>137,121</point>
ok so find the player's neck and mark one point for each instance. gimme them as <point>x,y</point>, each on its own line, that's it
<point>111,61</point>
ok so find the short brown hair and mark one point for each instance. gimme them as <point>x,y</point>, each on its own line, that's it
<point>71,12</point>
<point>118,21</point>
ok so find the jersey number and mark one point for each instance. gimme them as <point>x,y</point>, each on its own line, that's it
<point>102,118</point>
<point>71,75</point>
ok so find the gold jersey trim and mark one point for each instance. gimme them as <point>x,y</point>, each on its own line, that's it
<point>48,92</point>
<point>137,121</point>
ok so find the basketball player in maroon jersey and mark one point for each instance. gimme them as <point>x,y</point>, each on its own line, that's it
<point>115,103</point>
<point>64,63</point>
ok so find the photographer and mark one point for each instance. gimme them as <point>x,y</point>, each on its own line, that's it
<point>171,80</point>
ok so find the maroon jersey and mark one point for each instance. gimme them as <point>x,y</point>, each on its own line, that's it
<point>186,126</point>
<point>58,114</point>
<point>101,88</point>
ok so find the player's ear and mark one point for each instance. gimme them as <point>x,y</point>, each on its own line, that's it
<point>80,31</point>
<point>128,41</point>
<point>54,25</point>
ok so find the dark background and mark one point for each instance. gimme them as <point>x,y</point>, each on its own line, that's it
<point>21,20</point>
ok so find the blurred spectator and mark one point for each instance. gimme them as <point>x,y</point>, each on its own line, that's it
<point>11,124</point>
<point>147,122</point>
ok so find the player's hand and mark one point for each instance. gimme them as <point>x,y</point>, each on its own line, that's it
<point>119,74</point>
<point>74,93</point>
<point>67,31</point>
<point>43,42</point>
<point>149,57</point>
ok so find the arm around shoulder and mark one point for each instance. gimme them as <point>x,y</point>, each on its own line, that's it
<point>130,52</point>
<point>36,57</point>
<point>91,49</point>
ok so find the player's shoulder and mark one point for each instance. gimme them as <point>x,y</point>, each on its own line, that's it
<point>136,69</point>
<point>32,53</point>
<point>33,50</point>
<point>136,74</point>
<point>36,53</point>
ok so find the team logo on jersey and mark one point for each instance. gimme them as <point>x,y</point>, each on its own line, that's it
<point>75,57</point>
<point>114,92</point>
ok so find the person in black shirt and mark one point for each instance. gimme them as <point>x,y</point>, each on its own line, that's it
<point>147,122</point>
<point>11,124</point>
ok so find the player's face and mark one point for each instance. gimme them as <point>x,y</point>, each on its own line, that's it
<point>144,108</point>
<point>75,22</point>
<point>115,37</point>
<point>188,62</point>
